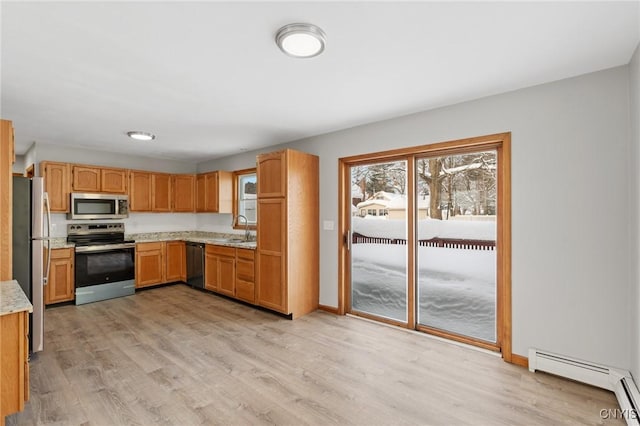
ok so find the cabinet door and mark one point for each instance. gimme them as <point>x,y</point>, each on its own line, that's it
<point>227,275</point>
<point>86,179</point>
<point>245,275</point>
<point>60,286</point>
<point>113,180</point>
<point>184,187</point>
<point>271,255</point>
<point>200,193</point>
<point>139,191</point>
<point>271,173</point>
<point>149,264</point>
<point>176,261</point>
<point>160,192</point>
<point>57,184</point>
<point>210,271</point>
<point>211,192</point>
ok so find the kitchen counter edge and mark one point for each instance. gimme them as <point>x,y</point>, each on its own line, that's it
<point>13,299</point>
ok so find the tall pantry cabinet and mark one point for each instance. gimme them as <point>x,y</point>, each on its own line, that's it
<point>287,262</point>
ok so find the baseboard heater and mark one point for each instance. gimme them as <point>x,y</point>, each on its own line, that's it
<point>618,381</point>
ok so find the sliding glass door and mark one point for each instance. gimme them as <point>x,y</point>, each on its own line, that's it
<point>456,238</point>
<point>426,239</point>
<point>378,240</point>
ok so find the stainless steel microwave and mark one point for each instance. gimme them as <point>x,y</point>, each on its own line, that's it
<point>98,206</point>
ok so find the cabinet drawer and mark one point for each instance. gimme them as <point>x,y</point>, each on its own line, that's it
<point>149,246</point>
<point>63,253</point>
<point>245,270</point>
<point>221,250</point>
<point>246,291</point>
<point>246,254</point>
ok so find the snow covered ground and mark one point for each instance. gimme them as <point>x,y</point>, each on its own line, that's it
<point>456,287</point>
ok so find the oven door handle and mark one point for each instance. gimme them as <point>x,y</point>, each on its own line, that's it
<point>104,248</point>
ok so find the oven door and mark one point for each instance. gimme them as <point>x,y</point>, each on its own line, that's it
<point>104,264</point>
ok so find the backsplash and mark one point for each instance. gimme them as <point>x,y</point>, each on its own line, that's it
<point>136,223</point>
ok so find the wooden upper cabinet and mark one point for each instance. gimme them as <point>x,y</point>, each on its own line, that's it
<point>139,191</point>
<point>211,192</point>
<point>272,174</point>
<point>218,188</point>
<point>200,193</point>
<point>113,180</point>
<point>99,179</point>
<point>86,179</point>
<point>161,192</point>
<point>184,193</point>
<point>57,184</point>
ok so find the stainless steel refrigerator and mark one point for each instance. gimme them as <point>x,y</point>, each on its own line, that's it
<point>31,233</point>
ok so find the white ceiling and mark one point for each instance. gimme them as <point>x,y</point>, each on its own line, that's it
<point>209,81</point>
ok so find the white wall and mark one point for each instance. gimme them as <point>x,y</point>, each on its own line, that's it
<point>634,79</point>
<point>110,159</point>
<point>570,204</point>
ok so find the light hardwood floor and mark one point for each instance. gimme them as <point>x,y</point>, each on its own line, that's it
<point>177,356</point>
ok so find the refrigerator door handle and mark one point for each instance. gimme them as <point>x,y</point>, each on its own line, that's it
<point>45,281</point>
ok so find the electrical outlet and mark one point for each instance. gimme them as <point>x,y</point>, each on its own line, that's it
<point>328,225</point>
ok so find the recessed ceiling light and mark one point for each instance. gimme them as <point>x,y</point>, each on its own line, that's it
<point>141,136</point>
<point>301,40</point>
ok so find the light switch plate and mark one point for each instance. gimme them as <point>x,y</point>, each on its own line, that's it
<point>327,225</point>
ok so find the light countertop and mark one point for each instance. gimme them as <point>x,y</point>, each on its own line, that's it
<point>12,298</point>
<point>190,236</point>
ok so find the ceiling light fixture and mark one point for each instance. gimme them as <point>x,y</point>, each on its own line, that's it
<point>301,40</point>
<point>141,136</point>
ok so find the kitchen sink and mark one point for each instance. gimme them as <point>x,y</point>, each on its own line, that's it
<point>229,240</point>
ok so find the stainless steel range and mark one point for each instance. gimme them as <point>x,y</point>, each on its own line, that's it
<point>104,262</point>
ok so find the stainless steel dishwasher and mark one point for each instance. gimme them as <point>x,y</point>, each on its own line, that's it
<point>195,264</point>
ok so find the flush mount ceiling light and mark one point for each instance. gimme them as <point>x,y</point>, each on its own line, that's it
<point>301,40</point>
<point>141,136</point>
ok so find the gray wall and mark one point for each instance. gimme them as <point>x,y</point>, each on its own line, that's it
<point>110,159</point>
<point>18,166</point>
<point>634,78</point>
<point>570,204</point>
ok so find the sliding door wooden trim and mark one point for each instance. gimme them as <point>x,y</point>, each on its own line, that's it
<point>459,338</point>
<point>504,248</point>
<point>378,318</point>
<point>344,218</point>
<point>411,243</point>
<point>500,142</point>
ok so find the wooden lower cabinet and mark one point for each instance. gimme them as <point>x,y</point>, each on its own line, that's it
<point>60,286</point>
<point>149,264</point>
<point>14,363</point>
<point>230,271</point>
<point>176,261</point>
<point>160,262</point>
<point>219,269</point>
<point>245,275</point>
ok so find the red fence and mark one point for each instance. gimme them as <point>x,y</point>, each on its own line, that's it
<point>433,242</point>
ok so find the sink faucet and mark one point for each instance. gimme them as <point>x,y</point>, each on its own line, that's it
<point>234,221</point>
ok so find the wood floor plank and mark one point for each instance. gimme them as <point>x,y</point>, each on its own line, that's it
<point>179,356</point>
